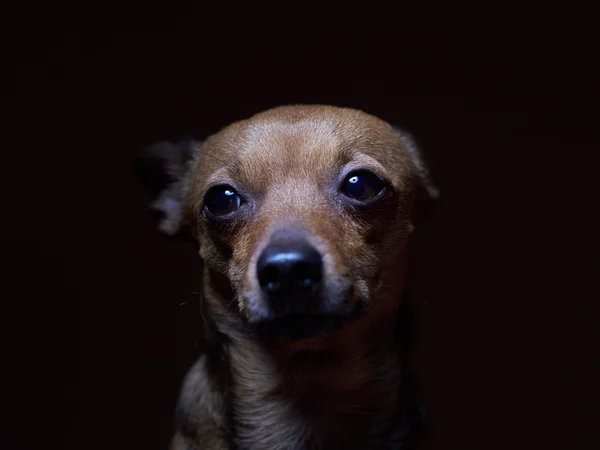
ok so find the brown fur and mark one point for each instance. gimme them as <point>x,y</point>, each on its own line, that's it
<point>336,391</point>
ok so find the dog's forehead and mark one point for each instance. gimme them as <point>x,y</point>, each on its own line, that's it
<point>316,132</point>
<point>278,147</point>
<point>312,141</point>
<point>308,136</point>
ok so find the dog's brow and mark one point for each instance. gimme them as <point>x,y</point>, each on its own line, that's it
<point>229,165</point>
<point>351,156</point>
<point>223,173</point>
<point>218,159</point>
<point>366,160</point>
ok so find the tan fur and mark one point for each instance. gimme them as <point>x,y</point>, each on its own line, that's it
<point>336,391</point>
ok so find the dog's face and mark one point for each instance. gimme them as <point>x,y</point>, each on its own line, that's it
<point>303,215</point>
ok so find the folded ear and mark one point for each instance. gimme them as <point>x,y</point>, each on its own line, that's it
<point>163,168</point>
<point>429,191</point>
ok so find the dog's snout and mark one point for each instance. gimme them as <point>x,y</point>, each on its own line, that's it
<point>290,276</point>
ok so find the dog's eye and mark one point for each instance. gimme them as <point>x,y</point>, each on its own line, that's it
<point>222,200</point>
<point>362,185</point>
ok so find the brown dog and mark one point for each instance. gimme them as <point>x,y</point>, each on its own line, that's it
<point>303,214</point>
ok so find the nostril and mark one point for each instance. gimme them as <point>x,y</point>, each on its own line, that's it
<point>268,277</point>
<point>307,273</point>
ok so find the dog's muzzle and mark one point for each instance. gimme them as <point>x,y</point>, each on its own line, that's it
<point>291,278</point>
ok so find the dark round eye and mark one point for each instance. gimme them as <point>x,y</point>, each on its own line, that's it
<point>222,200</point>
<point>362,185</point>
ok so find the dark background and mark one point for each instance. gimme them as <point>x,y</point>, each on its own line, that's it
<point>506,348</point>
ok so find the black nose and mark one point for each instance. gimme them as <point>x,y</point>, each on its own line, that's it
<point>290,276</point>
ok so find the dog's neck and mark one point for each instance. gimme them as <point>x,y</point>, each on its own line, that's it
<point>338,391</point>
<point>341,388</point>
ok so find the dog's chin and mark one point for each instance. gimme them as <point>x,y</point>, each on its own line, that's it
<point>300,326</point>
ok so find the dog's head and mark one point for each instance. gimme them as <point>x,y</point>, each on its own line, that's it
<point>302,213</point>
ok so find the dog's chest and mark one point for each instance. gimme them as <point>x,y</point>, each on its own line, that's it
<point>308,408</point>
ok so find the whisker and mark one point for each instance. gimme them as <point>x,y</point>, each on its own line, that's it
<point>190,300</point>
<point>226,164</point>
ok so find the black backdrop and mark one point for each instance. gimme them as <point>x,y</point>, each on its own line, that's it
<point>505,347</point>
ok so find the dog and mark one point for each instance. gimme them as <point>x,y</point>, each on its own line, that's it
<point>303,215</point>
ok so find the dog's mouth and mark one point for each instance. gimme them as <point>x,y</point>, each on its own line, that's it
<point>305,325</point>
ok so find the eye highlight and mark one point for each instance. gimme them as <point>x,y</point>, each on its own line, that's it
<point>362,185</point>
<point>222,200</point>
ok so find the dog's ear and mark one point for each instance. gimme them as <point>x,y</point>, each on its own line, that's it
<point>429,191</point>
<point>163,168</point>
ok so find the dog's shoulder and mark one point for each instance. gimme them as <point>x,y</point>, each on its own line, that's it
<point>202,413</point>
